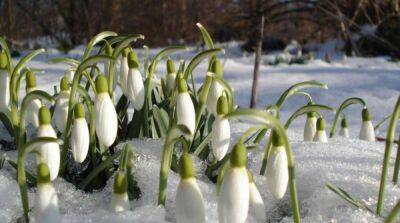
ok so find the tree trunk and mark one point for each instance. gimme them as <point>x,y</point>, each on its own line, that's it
<point>257,60</point>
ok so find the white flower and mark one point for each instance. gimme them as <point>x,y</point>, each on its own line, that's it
<point>213,95</point>
<point>61,111</point>
<point>320,135</point>
<point>184,108</point>
<point>46,201</point>
<point>367,131</point>
<point>234,194</point>
<point>33,109</point>
<point>135,86</point>
<point>106,120</point>
<point>277,168</point>
<point>310,128</point>
<point>120,200</point>
<point>221,132</point>
<point>171,76</point>
<point>123,74</point>
<point>79,135</point>
<point>49,153</point>
<point>344,130</point>
<point>256,202</point>
<point>4,90</point>
<point>189,200</point>
<point>69,74</point>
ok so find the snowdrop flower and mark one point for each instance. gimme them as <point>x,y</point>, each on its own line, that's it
<point>216,88</point>
<point>135,87</point>
<point>35,105</point>
<point>184,107</point>
<point>120,199</point>
<point>79,134</point>
<point>320,135</point>
<point>105,119</point>
<point>69,74</point>
<point>344,130</point>
<point>124,69</point>
<point>46,200</point>
<point>234,195</point>
<point>310,127</point>
<point>277,167</point>
<point>221,132</point>
<point>189,200</point>
<point>171,76</point>
<point>367,131</point>
<point>256,202</point>
<point>4,82</point>
<point>60,115</point>
<point>49,153</point>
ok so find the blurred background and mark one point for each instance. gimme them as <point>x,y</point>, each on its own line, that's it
<point>366,27</point>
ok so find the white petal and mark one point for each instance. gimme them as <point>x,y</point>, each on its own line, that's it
<point>256,203</point>
<point>277,172</point>
<point>213,95</point>
<point>135,89</point>
<point>120,202</point>
<point>80,140</point>
<point>123,75</point>
<point>234,197</point>
<point>220,137</point>
<point>189,202</point>
<point>61,112</point>
<point>4,90</point>
<point>320,136</point>
<point>49,152</point>
<point>367,131</point>
<point>46,204</point>
<point>171,82</point>
<point>344,132</point>
<point>33,111</point>
<point>106,120</point>
<point>185,112</point>
<point>310,128</point>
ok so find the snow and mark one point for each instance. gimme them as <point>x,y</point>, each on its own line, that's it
<point>351,164</point>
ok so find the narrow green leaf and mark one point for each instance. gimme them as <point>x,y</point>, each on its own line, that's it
<point>69,61</point>
<point>6,120</point>
<point>206,36</point>
<point>99,37</point>
<point>196,60</point>
<point>304,110</point>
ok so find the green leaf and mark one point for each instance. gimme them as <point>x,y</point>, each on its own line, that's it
<point>162,120</point>
<point>4,46</point>
<point>304,110</point>
<point>37,142</point>
<point>199,58</point>
<point>391,218</point>
<point>125,43</point>
<point>206,36</point>
<point>380,123</point>
<point>6,120</point>
<point>93,60</point>
<point>30,177</point>
<point>64,60</point>
<point>203,144</point>
<point>99,37</point>
<point>298,87</point>
<point>339,111</point>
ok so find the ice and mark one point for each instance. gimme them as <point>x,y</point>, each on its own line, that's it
<point>351,164</point>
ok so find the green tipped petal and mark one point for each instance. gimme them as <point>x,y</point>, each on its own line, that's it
<point>344,123</point>
<point>186,168</point>
<point>30,80</point>
<point>366,116</point>
<point>109,49</point>
<point>182,86</point>
<point>43,173</point>
<point>311,114</point>
<point>64,84</point>
<point>321,124</point>
<point>3,60</point>
<point>216,68</point>
<point>238,156</point>
<point>222,105</point>
<point>79,110</point>
<point>133,60</point>
<point>120,183</point>
<point>44,116</point>
<point>101,84</point>
<point>170,66</point>
<point>277,140</point>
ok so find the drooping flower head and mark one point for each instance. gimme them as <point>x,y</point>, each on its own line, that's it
<point>221,133</point>
<point>120,199</point>
<point>79,134</point>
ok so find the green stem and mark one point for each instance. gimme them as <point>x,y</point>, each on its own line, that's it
<point>393,214</point>
<point>265,156</point>
<point>397,164</point>
<point>386,158</point>
<point>22,183</point>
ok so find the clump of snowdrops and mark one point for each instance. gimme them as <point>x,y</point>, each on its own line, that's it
<point>84,122</point>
